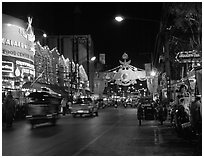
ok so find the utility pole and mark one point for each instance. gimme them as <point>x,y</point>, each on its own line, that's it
<point>167,67</point>
<point>87,49</point>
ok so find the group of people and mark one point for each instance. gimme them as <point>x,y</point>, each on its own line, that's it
<point>188,107</point>
<point>183,103</point>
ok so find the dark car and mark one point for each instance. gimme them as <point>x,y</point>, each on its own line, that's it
<point>42,107</point>
<point>148,108</point>
<point>84,106</point>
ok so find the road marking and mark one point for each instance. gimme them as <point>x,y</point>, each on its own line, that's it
<point>94,140</point>
<point>157,136</point>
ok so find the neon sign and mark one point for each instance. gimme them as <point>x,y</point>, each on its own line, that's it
<point>7,66</point>
<point>188,56</point>
<point>18,54</point>
<point>15,43</point>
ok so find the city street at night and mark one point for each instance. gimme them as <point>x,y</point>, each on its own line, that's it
<point>101,78</point>
<point>115,132</point>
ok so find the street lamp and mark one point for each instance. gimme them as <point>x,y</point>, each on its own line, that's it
<point>119,18</point>
<point>40,35</point>
<point>153,73</point>
<point>44,35</point>
<point>93,58</point>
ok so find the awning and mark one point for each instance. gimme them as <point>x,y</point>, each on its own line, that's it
<point>38,86</point>
<point>59,89</point>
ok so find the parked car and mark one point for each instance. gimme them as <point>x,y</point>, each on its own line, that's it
<point>42,107</point>
<point>148,108</point>
<point>84,106</point>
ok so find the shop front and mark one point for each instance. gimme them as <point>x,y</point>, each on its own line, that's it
<point>17,54</point>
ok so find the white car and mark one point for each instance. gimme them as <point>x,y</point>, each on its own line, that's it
<point>84,106</point>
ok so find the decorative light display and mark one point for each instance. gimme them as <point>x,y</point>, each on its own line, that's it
<point>126,74</point>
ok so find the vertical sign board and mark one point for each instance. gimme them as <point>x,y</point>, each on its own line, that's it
<point>148,68</point>
<point>102,58</point>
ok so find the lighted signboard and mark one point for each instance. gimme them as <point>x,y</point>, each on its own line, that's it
<point>17,49</point>
<point>188,56</point>
<point>7,66</point>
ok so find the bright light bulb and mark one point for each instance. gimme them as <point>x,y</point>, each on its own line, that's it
<point>119,18</point>
<point>93,58</point>
<point>44,35</point>
<point>153,73</point>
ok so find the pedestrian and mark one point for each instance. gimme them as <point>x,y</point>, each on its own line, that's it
<point>64,105</point>
<point>9,109</point>
<point>183,93</point>
<point>69,104</point>
<point>196,119</point>
<point>140,114</point>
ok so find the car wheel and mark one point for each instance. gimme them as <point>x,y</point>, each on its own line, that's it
<point>74,115</point>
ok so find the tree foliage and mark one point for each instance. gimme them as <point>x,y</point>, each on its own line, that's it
<point>187,19</point>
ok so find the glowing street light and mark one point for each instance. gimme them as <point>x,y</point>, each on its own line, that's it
<point>119,18</point>
<point>93,58</point>
<point>153,73</point>
<point>40,32</point>
<point>44,35</point>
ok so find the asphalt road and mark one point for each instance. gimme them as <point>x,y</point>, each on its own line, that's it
<point>115,132</point>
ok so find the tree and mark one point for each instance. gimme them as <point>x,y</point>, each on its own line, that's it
<point>187,18</point>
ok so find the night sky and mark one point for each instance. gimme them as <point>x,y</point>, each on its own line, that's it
<point>135,37</point>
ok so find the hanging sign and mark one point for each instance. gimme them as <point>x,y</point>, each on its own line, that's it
<point>102,58</point>
<point>148,68</point>
<point>188,56</point>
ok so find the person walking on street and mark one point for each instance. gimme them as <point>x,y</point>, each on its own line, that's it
<point>8,110</point>
<point>140,114</point>
<point>196,119</point>
<point>183,93</point>
<point>64,105</point>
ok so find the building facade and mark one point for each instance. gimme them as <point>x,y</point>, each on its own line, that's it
<point>77,48</point>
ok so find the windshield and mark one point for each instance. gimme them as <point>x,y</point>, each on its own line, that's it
<point>145,100</point>
<point>83,101</point>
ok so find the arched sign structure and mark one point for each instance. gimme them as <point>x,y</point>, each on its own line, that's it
<point>125,74</point>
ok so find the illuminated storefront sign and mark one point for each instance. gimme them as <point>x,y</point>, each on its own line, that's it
<point>188,56</point>
<point>17,52</point>
<point>24,64</point>
<point>7,66</point>
<point>15,43</point>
